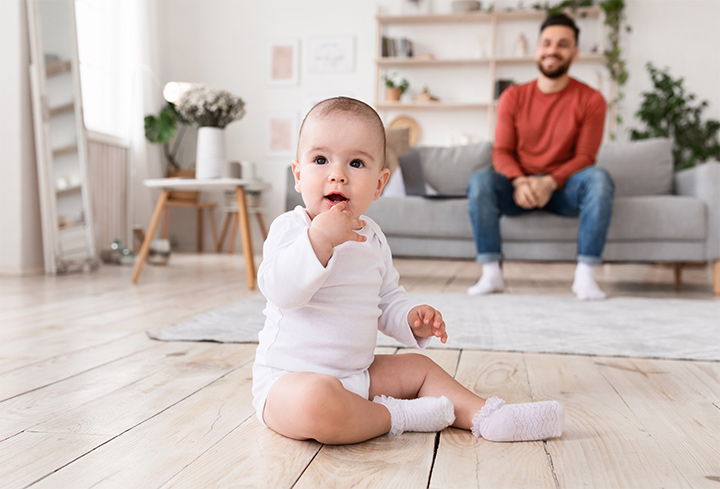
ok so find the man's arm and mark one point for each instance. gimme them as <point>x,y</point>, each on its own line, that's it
<point>505,143</point>
<point>589,137</point>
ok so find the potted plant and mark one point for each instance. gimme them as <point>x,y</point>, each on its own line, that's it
<point>161,129</point>
<point>670,111</point>
<point>212,109</point>
<point>394,87</point>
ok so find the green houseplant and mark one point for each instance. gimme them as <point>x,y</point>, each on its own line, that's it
<point>670,111</point>
<point>395,86</point>
<point>162,128</point>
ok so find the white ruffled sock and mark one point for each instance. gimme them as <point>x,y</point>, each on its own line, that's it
<point>490,281</point>
<point>584,286</point>
<point>426,414</point>
<point>497,421</point>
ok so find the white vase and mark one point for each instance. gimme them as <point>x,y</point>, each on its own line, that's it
<point>210,160</point>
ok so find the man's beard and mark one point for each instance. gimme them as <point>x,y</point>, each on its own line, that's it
<point>557,72</point>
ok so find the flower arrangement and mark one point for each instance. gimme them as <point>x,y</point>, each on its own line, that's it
<point>210,107</point>
<point>394,81</point>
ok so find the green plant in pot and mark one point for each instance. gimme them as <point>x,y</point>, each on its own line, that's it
<point>162,128</point>
<point>395,87</point>
<point>670,111</point>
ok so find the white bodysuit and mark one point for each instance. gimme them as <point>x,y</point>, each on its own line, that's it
<point>325,319</point>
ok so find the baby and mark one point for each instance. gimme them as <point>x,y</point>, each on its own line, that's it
<point>330,285</point>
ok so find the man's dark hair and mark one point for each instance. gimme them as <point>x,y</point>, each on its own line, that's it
<point>562,19</point>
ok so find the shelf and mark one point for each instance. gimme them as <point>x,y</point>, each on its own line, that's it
<point>57,68</point>
<point>432,105</point>
<point>390,61</point>
<point>506,60</point>
<point>65,150</point>
<point>478,16</point>
<point>410,62</point>
<point>69,190</point>
<point>62,109</point>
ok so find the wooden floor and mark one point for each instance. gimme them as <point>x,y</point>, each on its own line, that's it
<point>87,400</point>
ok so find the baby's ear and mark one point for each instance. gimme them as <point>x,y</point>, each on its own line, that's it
<point>382,180</point>
<point>296,174</point>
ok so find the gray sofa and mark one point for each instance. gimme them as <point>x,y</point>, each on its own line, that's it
<point>658,215</point>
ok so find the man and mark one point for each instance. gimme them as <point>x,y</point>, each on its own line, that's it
<point>548,133</point>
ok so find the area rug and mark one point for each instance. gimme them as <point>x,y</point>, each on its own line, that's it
<point>622,326</point>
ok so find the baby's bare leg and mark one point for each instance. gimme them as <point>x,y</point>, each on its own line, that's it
<point>306,405</point>
<point>412,375</point>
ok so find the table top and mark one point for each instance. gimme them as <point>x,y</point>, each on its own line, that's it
<point>209,184</point>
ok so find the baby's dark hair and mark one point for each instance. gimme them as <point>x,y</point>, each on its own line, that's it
<point>562,19</point>
<point>350,106</point>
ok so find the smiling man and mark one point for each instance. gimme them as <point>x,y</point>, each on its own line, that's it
<point>547,135</point>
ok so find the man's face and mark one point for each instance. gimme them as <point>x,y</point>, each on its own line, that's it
<point>556,50</point>
<point>340,158</point>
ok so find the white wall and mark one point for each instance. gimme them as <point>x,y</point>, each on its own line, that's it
<point>223,43</point>
<point>20,239</point>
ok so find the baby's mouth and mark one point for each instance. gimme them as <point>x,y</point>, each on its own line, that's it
<point>335,198</point>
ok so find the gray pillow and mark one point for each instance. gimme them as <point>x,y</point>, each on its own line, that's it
<point>448,168</point>
<point>639,167</point>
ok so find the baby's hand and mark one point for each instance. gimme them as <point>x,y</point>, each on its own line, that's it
<point>332,228</point>
<point>425,321</point>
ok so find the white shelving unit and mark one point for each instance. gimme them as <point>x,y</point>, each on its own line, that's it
<point>488,65</point>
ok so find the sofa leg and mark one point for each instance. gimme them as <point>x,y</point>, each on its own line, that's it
<point>716,277</point>
<point>677,269</point>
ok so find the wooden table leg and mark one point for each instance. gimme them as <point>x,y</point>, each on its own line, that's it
<point>221,242</point>
<point>145,248</point>
<point>200,229</point>
<point>244,222</point>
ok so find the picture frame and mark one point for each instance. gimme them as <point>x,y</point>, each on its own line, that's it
<point>283,62</point>
<point>281,133</point>
<point>331,54</point>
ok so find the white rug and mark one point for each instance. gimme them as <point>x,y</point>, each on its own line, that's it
<point>623,326</point>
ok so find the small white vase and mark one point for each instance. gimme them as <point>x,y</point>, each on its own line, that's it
<point>210,159</point>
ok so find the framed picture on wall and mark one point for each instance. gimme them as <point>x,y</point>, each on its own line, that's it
<point>281,133</point>
<point>283,62</point>
<point>331,54</point>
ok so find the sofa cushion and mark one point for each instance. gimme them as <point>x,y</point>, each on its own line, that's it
<point>662,218</point>
<point>397,143</point>
<point>639,167</point>
<point>448,168</point>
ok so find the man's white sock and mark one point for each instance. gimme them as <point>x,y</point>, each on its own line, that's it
<point>490,281</point>
<point>497,421</point>
<point>426,414</point>
<point>584,286</point>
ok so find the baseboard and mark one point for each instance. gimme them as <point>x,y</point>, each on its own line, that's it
<point>21,271</point>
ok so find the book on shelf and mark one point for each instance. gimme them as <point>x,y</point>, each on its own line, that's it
<point>397,47</point>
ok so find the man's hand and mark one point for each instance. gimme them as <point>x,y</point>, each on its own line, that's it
<point>332,228</point>
<point>425,321</point>
<point>543,188</point>
<point>524,195</point>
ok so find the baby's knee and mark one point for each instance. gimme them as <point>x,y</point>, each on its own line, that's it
<point>312,404</point>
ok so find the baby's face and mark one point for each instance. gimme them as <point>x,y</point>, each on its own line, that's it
<point>340,158</point>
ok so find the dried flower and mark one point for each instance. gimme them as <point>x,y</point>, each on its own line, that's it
<point>210,107</point>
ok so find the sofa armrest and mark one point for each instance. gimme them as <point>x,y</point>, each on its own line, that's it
<point>703,182</point>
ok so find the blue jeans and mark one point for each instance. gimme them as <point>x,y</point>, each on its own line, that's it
<point>587,193</point>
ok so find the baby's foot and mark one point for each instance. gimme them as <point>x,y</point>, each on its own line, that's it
<point>425,414</point>
<point>498,421</point>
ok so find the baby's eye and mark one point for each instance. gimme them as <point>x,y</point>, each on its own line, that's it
<point>320,160</point>
<point>357,164</point>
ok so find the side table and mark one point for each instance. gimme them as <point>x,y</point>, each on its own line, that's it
<point>239,185</point>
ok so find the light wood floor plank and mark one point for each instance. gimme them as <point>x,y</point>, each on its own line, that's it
<point>685,427</point>
<point>251,456</point>
<point>603,441</point>
<point>153,453</point>
<point>129,406</point>
<point>468,462</point>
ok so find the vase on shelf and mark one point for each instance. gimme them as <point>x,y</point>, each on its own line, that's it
<point>210,158</point>
<point>392,94</point>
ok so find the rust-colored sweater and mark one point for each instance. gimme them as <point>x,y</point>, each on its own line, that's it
<point>550,133</point>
